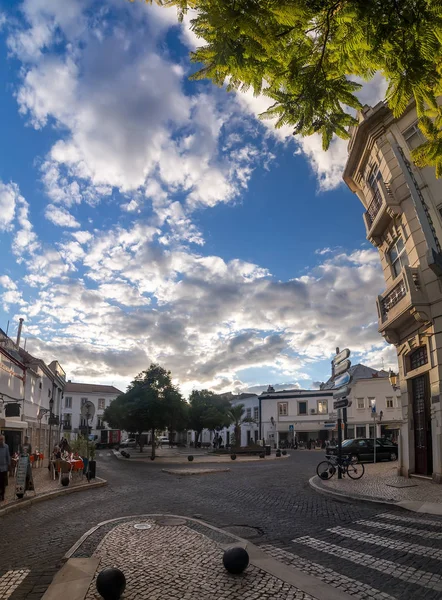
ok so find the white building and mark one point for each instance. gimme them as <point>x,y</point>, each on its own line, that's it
<point>287,414</point>
<point>75,395</point>
<point>371,388</point>
<point>249,429</point>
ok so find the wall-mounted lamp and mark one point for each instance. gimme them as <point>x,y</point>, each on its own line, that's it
<point>393,378</point>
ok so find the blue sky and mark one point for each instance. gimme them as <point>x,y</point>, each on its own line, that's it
<point>144,217</point>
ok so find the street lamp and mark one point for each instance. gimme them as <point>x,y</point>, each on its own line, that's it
<point>393,378</point>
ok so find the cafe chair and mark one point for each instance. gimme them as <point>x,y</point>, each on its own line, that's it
<point>65,469</point>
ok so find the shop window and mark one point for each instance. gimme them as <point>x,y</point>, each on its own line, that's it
<point>282,409</point>
<point>397,256</point>
<point>302,408</point>
<point>418,358</point>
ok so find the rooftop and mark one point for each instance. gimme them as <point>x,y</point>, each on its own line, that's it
<point>90,388</point>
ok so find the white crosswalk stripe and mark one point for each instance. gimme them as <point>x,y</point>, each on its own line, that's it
<point>370,538</point>
<point>10,581</point>
<point>409,574</point>
<point>431,535</point>
<point>411,520</point>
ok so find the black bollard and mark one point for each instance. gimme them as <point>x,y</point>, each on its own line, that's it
<point>236,560</point>
<point>111,583</point>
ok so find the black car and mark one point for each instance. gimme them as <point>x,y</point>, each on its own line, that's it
<point>363,449</point>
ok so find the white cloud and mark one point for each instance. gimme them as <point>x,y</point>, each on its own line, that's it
<point>8,198</point>
<point>60,216</point>
<point>7,282</point>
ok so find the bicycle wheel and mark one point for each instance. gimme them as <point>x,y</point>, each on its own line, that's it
<point>355,470</point>
<point>325,470</point>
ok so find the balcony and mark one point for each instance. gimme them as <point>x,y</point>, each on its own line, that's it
<point>67,427</point>
<point>401,304</point>
<point>382,208</point>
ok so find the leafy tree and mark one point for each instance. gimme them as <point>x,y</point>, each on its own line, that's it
<point>207,411</point>
<point>176,412</point>
<point>151,402</point>
<point>236,414</point>
<point>302,54</point>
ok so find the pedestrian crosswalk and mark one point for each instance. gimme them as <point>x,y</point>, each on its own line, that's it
<point>388,547</point>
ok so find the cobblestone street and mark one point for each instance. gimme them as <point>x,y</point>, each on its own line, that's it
<point>365,549</point>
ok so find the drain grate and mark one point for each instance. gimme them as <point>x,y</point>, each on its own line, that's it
<point>142,526</point>
<point>244,531</point>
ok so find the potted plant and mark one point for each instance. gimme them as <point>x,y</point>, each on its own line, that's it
<point>92,462</point>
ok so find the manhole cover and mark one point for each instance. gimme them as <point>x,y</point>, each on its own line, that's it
<point>170,521</point>
<point>142,526</point>
<point>245,531</point>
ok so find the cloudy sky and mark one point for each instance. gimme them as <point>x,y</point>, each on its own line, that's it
<point>146,218</point>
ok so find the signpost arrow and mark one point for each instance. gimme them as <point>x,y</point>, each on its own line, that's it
<point>342,367</point>
<point>343,379</point>
<point>341,356</point>
<point>340,403</point>
<point>341,392</point>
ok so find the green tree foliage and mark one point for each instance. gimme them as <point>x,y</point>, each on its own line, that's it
<point>151,402</point>
<point>207,411</point>
<point>236,416</point>
<point>302,54</point>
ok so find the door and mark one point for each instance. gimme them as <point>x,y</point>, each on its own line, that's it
<point>12,439</point>
<point>422,426</point>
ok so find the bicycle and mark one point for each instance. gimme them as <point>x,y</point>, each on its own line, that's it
<point>347,465</point>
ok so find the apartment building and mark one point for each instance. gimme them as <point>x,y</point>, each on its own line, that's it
<point>403,221</point>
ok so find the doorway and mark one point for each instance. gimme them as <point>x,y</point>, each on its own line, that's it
<point>422,425</point>
<point>12,439</point>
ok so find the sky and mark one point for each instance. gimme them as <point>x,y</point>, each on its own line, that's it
<point>148,218</point>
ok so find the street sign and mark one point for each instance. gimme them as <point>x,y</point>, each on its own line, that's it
<point>330,425</point>
<point>291,428</point>
<point>343,379</point>
<point>341,393</point>
<point>342,367</point>
<point>340,403</point>
<point>341,356</point>
<point>373,408</point>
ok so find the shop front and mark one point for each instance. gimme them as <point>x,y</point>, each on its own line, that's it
<point>14,432</point>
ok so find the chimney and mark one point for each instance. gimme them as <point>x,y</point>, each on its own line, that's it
<point>20,325</point>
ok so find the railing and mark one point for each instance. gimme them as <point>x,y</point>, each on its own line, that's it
<point>374,207</point>
<point>67,427</point>
<point>392,298</point>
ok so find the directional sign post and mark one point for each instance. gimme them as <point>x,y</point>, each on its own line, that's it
<point>341,379</point>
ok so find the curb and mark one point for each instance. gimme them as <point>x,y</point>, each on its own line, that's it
<point>306,583</point>
<point>25,503</point>
<point>164,460</point>
<point>195,471</point>
<point>421,507</point>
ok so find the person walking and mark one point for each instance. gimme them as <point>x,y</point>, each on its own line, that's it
<point>5,461</point>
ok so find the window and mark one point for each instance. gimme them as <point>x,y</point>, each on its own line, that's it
<point>322,407</point>
<point>389,402</point>
<point>397,256</point>
<point>256,413</point>
<point>283,409</point>
<point>418,358</point>
<point>82,422</point>
<point>40,385</point>
<point>302,408</point>
<point>360,432</point>
<point>362,443</point>
<point>83,401</point>
<point>361,402</point>
<point>373,178</point>
<point>248,413</point>
<point>101,403</point>
<point>68,402</point>
<point>414,137</point>
<point>49,393</point>
<point>67,418</point>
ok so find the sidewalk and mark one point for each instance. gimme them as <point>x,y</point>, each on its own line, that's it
<point>381,483</point>
<point>178,558</point>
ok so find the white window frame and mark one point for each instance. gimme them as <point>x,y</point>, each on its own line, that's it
<point>389,399</point>
<point>302,414</point>
<point>248,413</point>
<point>256,413</point>
<point>281,411</point>
<point>68,401</point>
<point>410,133</point>
<point>358,403</point>
<point>401,259</point>
<point>321,405</point>
<point>101,403</point>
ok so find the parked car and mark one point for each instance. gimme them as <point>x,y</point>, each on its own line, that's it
<point>129,443</point>
<point>363,449</point>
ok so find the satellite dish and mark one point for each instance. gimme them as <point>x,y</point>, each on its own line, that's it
<point>88,410</point>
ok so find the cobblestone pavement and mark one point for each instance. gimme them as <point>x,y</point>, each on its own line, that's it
<point>270,503</point>
<point>189,565</point>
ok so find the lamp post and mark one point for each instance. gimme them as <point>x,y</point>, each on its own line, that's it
<point>51,420</point>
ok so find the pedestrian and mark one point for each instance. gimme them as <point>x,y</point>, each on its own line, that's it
<point>309,444</point>
<point>25,448</point>
<point>5,461</point>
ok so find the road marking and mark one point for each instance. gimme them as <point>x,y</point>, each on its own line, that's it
<point>431,535</point>
<point>370,538</point>
<point>411,520</point>
<point>10,581</point>
<point>424,579</point>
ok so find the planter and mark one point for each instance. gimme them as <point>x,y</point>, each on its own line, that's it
<point>233,456</point>
<point>92,469</point>
<point>190,458</point>
<point>262,455</point>
<point>278,453</point>
<point>284,452</point>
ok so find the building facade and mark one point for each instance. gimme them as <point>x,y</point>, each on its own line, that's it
<point>75,395</point>
<point>290,414</point>
<point>403,221</point>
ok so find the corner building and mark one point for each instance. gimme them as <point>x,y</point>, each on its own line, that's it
<point>403,220</point>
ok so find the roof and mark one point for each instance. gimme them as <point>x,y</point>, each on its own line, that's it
<point>296,393</point>
<point>90,388</point>
<point>359,372</point>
